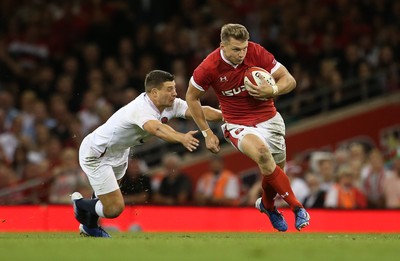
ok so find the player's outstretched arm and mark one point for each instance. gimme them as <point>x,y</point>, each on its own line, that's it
<point>193,96</point>
<point>167,133</point>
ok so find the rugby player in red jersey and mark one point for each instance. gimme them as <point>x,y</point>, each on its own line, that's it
<point>252,123</point>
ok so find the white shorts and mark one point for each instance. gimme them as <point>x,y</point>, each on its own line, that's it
<point>271,132</point>
<point>103,171</point>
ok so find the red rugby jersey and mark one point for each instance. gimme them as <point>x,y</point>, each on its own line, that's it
<point>237,105</point>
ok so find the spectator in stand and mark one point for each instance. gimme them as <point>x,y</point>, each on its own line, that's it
<point>8,109</point>
<point>390,69</point>
<point>11,139</point>
<point>38,177</point>
<point>67,178</point>
<point>358,152</point>
<point>323,164</point>
<point>53,151</point>
<point>136,184</point>
<point>43,81</point>
<point>89,113</point>
<point>27,102</point>
<point>176,186</point>
<point>219,186</point>
<point>344,194</point>
<point>41,116</point>
<point>9,181</point>
<point>37,150</point>
<point>372,179</point>
<point>316,197</point>
<point>20,160</point>
<point>253,193</point>
<point>391,185</point>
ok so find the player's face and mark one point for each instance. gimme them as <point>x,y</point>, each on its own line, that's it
<point>234,50</point>
<point>167,94</point>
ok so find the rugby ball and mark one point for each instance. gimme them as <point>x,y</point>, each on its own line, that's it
<point>254,75</point>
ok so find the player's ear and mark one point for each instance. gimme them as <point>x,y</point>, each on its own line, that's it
<point>154,91</point>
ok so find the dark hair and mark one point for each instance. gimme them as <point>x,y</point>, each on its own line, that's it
<point>235,31</point>
<point>156,78</point>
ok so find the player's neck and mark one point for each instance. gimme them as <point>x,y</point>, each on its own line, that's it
<point>160,108</point>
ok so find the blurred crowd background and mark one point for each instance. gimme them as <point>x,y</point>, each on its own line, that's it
<point>66,66</point>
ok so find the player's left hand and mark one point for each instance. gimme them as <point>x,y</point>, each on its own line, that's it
<point>261,92</point>
<point>212,143</point>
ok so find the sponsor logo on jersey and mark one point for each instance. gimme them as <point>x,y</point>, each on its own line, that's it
<point>234,91</point>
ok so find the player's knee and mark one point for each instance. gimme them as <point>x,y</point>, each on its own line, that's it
<point>265,160</point>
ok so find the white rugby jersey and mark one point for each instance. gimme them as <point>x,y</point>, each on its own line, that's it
<point>124,129</point>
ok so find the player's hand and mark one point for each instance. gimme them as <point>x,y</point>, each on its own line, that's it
<point>262,92</point>
<point>212,143</point>
<point>189,141</point>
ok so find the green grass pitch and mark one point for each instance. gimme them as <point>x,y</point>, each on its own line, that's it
<point>200,246</point>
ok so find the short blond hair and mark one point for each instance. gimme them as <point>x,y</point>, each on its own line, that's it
<point>236,31</point>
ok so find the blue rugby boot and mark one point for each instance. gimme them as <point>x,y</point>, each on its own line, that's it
<point>276,218</point>
<point>92,232</point>
<point>83,216</point>
<point>302,218</point>
<point>80,215</point>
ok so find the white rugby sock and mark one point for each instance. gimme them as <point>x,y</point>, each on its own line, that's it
<point>99,209</point>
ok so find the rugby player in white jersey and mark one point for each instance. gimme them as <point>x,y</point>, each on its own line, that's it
<point>103,154</point>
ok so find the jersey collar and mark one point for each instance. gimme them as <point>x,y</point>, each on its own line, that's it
<point>149,101</point>
<point>226,60</point>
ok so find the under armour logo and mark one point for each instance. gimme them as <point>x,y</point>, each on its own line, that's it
<point>223,79</point>
<point>285,195</point>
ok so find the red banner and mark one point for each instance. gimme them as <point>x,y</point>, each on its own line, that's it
<point>196,219</point>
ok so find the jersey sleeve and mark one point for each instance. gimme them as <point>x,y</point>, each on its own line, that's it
<point>180,108</point>
<point>266,59</point>
<point>143,117</point>
<point>201,78</point>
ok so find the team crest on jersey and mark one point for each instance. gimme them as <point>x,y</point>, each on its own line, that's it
<point>223,79</point>
<point>164,120</point>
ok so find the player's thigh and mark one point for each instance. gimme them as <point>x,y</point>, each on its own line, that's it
<point>120,170</point>
<point>273,132</point>
<point>103,180</point>
<point>255,148</point>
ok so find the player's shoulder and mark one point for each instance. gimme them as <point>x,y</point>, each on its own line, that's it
<point>212,60</point>
<point>257,55</point>
<point>256,47</point>
<point>141,102</point>
<point>140,99</point>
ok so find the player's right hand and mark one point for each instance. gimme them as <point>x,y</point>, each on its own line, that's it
<point>190,142</point>
<point>212,143</point>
